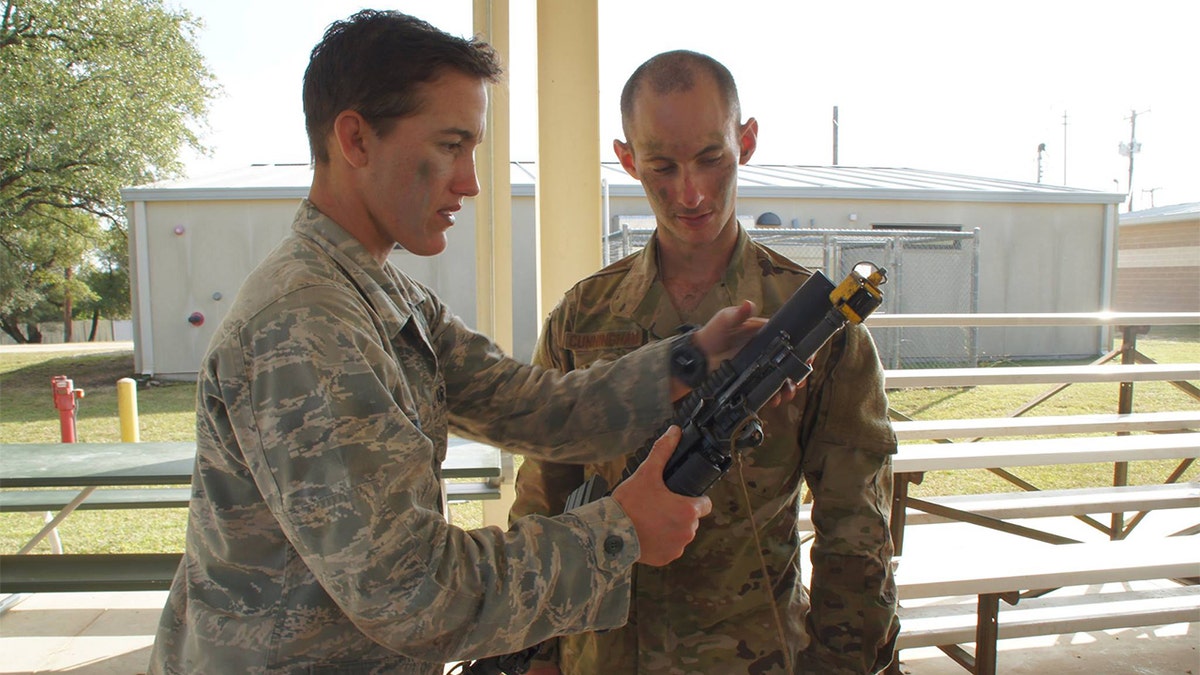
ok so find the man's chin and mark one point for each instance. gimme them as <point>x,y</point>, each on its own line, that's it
<point>425,249</point>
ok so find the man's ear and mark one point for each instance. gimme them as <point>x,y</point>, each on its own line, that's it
<point>625,156</point>
<point>350,131</point>
<point>748,139</point>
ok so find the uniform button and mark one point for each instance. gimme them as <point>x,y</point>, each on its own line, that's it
<point>613,544</point>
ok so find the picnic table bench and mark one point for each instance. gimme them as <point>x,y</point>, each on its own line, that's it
<point>990,578</point>
<point>66,477</point>
<point>64,466</point>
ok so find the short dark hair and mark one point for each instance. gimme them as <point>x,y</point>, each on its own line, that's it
<point>373,62</point>
<point>676,71</point>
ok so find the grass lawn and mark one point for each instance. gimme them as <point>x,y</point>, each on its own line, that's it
<point>167,413</point>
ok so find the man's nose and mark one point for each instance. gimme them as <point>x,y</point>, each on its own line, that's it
<point>689,194</point>
<point>466,183</point>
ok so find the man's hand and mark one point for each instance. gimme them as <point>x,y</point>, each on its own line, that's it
<point>726,332</point>
<point>665,522</point>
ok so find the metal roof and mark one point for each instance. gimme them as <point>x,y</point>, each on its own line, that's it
<point>291,181</point>
<point>1163,214</point>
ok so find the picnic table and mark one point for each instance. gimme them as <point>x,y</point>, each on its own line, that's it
<point>65,477</point>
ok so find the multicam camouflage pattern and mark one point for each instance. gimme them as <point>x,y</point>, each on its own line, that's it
<point>711,611</point>
<point>315,539</point>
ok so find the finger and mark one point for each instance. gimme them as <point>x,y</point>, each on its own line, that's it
<point>703,506</point>
<point>661,451</point>
<point>789,389</point>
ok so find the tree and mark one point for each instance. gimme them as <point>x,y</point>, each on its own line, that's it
<point>34,283</point>
<point>107,276</point>
<point>95,95</point>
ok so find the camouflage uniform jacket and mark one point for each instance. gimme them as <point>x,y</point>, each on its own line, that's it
<point>315,541</point>
<point>710,611</point>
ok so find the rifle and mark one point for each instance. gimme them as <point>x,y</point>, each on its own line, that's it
<point>720,417</point>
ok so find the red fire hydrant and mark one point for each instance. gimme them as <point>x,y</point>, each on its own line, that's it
<point>65,395</point>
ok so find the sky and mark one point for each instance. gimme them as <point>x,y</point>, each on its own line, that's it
<point>959,86</point>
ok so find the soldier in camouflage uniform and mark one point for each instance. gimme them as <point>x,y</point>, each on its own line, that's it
<point>315,540</point>
<point>734,602</point>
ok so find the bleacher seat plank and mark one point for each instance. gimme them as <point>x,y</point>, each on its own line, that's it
<point>75,572</point>
<point>1069,502</point>
<point>123,498</point>
<point>907,430</point>
<point>941,624</point>
<point>916,378</point>
<point>916,457</point>
<point>1051,503</point>
<point>979,571</point>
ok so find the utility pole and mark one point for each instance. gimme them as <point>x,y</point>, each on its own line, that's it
<point>1151,191</point>
<point>835,135</point>
<point>1041,151</point>
<point>1129,151</point>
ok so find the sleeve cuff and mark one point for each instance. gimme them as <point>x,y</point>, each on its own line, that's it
<point>612,540</point>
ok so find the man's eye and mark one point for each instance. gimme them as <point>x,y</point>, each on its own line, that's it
<point>662,170</point>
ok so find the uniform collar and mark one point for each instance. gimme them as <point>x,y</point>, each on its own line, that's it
<point>629,300</point>
<point>388,290</point>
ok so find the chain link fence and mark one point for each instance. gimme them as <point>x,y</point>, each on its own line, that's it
<point>929,272</point>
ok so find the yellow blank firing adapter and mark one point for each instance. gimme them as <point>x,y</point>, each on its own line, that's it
<point>858,295</point>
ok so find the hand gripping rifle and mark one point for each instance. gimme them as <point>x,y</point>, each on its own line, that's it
<point>720,416</point>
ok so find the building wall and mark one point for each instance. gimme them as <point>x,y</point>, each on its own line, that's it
<point>191,257</point>
<point>198,253</point>
<point>1158,267</point>
<point>1033,258</point>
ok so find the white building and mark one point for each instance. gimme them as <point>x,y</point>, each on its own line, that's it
<point>1017,247</point>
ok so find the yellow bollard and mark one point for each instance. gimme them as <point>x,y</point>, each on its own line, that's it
<point>127,409</point>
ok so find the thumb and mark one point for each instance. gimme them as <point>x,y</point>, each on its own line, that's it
<point>745,310</point>
<point>661,451</point>
<point>737,314</point>
<point>726,328</point>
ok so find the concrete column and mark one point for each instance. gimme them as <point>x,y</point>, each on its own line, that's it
<point>493,206</point>
<point>493,228</point>
<point>568,198</point>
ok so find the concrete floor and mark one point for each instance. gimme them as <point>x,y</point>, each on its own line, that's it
<point>111,633</point>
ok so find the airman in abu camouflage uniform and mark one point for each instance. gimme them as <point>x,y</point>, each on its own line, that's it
<point>315,541</point>
<point>734,602</point>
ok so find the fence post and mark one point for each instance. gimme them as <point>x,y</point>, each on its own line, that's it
<point>127,410</point>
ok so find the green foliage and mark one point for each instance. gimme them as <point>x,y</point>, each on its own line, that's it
<point>34,264</point>
<point>106,275</point>
<point>95,96</point>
